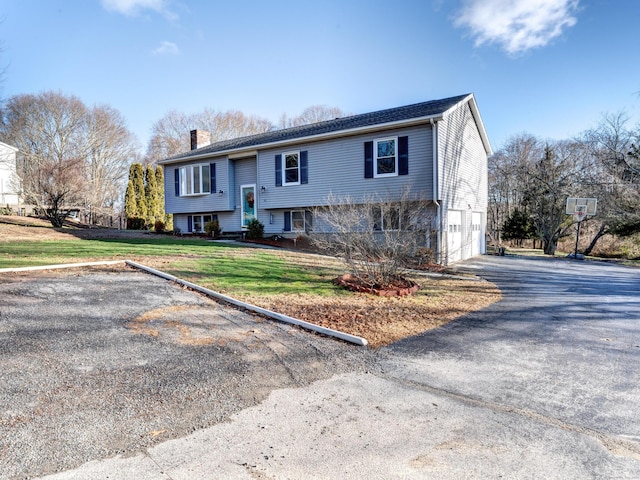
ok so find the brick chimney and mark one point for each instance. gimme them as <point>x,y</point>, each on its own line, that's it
<point>200,138</point>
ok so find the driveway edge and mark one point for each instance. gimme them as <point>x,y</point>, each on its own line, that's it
<point>63,265</point>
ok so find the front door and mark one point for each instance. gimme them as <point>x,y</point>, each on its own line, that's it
<point>248,202</point>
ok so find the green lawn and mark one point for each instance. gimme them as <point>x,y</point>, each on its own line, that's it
<point>215,265</point>
<point>47,252</point>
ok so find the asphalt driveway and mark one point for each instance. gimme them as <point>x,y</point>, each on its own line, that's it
<point>544,384</point>
<point>102,362</point>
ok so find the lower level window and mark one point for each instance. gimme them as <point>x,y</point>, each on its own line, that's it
<point>297,221</point>
<point>300,221</point>
<point>197,222</point>
<point>386,219</point>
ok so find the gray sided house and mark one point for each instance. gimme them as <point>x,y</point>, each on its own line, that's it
<point>438,149</point>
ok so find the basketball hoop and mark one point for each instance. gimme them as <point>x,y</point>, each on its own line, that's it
<point>580,208</point>
<point>579,216</point>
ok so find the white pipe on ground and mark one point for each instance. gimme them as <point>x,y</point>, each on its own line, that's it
<point>278,316</point>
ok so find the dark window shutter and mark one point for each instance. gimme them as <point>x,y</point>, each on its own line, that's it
<point>304,167</point>
<point>368,159</point>
<point>212,170</point>
<point>403,155</point>
<point>190,223</point>
<point>278,170</point>
<point>287,221</point>
<point>177,180</point>
<point>308,221</point>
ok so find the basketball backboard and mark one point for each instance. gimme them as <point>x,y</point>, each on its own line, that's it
<point>581,206</point>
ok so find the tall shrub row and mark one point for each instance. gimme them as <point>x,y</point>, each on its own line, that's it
<point>144,199</point>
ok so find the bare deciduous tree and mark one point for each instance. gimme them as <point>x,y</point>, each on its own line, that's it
<point>170,134</point>
<point>551,180</point>
<point>111,148</point>
<point>613,176</point>
<point>376,236</point>
<point>312,114</point>
<point>48,130</point>
<point>508,180</point>
<point>70,156</point>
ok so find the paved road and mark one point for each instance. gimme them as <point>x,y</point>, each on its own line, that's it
<point>544,384</point>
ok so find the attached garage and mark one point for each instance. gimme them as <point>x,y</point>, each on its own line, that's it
<point>477,240</point>
<point>454,236</point>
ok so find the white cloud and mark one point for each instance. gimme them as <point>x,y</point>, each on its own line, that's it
<point>167,48</point>
<point>133,8</point>
<point>517,25</point>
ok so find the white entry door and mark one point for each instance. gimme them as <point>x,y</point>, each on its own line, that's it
<point>454,235</point>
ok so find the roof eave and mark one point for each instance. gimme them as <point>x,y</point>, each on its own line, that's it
<point>9,146</point>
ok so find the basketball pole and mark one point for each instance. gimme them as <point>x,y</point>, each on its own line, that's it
<point>575,253</point>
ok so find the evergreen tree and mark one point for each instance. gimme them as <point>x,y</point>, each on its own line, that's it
<point>518,226</point>
<point>151,196</point>
<point>166,218</point>
<point>137,178</point>
<point>130,204</point>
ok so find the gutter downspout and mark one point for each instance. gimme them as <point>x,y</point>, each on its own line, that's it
<point>436,192</point>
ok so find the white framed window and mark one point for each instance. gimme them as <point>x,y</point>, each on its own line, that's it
<point>291,168</point>
<point>385,157</point>
<point>198,222</point>
<point>386,219</point>
<point>195,179</point>
<point>298,221</point>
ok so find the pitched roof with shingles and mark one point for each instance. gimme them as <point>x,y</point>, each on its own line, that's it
<point>391,115</point>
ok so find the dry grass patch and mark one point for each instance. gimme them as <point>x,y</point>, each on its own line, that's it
<point>384,320</point>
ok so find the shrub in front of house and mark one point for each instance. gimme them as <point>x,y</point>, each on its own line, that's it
<point>255,229</point>
<point>159,226</point>
<point>212,229</point>
<point>136,223</point>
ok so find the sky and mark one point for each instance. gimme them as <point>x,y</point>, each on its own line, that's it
<point>550,68</point>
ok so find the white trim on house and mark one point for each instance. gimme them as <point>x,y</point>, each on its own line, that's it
<point>376,158</point>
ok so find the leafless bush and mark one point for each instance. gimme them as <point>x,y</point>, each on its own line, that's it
<point>376,236</point>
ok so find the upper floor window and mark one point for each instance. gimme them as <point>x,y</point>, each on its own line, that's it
<point>291,168</point>
<point>386,157</point>
<point>195,179</point>
<point>385,160</point>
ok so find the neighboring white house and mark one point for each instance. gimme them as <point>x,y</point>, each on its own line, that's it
<point>439,149</point>
<point>9,183</point>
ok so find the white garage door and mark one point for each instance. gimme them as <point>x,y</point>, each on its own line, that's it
<point>454,236</point>
<point>476,234</point>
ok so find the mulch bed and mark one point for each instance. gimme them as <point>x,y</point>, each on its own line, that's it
<point>401,287</point>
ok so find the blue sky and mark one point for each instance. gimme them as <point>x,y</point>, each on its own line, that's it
<point>546,67</point>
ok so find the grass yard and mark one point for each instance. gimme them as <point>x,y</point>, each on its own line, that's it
<point>292,283</point>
